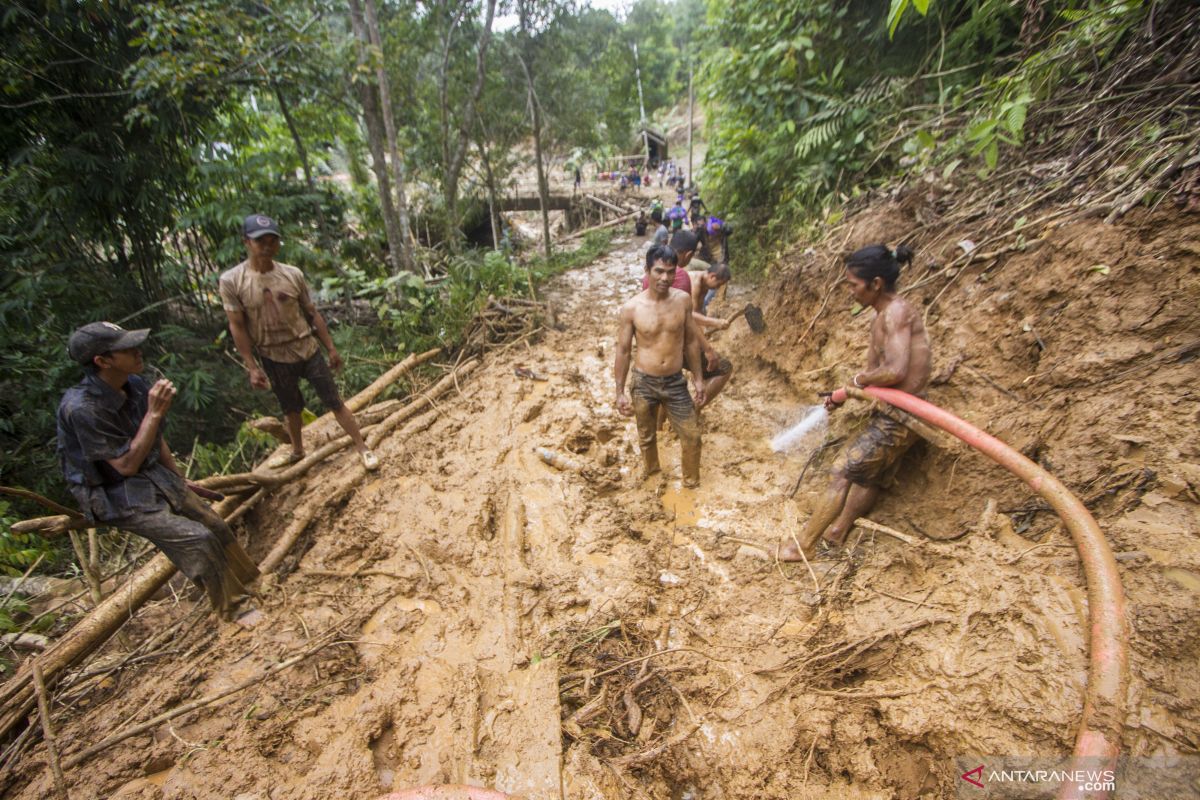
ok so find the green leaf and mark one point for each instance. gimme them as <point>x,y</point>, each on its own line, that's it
<point>894,14</point>
<point>991,155</point>
<point>926,139</point>
<point>922,6</point>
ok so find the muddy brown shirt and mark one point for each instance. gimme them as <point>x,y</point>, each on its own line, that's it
<point>274,303</point>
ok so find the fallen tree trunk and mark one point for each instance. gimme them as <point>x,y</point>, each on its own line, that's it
<point>425,399</point>
<point>601,226</point>
<point>606,204</point>
<point>17,697</point>
<point>367,395</point>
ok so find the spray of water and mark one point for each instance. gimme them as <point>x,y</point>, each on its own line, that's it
<point>814,421</point>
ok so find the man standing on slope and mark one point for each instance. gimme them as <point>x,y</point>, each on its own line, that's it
<point>899,356</point>
<point>272,314</point>
<point>660,318</point>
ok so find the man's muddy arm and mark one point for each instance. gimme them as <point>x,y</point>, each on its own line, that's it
<point>897,345</point>
<point>709,322</point>
<point>624,347</point>
<point>692,339</point>
<point>241,338</point>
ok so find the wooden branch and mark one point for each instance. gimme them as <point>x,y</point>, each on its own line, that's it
<point>25,494</point>
<point>39,686</point>
<point>863,522</point>
<point>605,204</point>
<point>424,399</point>
<point>367,395</point>
<point>154,722</point>
<point>601,226</point>
<point>56,524</point>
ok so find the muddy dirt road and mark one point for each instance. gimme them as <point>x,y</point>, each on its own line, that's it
<point>577,633</point>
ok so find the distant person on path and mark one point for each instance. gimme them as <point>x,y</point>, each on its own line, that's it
<point>121,472</point>
<point>661,234</point>
<point>660,320</point>
<point>271,314</point>
<point>639,224</point>
<point>899,356</point>
<point>677,214</point>
<point>578,178</point>
<point>696,210</point>
<point>717,236</point>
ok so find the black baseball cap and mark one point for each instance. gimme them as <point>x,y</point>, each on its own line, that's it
<point>97,338</point>
<point>257,225</point>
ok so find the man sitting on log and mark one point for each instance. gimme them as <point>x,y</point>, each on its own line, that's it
<point>122,473</point>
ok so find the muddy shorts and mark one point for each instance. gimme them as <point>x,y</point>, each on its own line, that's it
<point>873,457</point>
<point>285,382</point>
<point>724,367</point>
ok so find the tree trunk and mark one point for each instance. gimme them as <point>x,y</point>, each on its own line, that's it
<point>325,237</point>
<point>491,189</point>
<point>369,99</point>
<point>454,150</point>
<point>389,123</point>
<point>535,113</point>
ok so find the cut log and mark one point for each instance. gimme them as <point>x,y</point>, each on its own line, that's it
<point>606,204</point>
<point>601,226</point>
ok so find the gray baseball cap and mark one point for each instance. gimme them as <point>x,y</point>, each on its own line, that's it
<point>257,225</point>
<point>97,338</point>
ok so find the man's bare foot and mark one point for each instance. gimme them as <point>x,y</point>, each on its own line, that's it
<point>791,552</point>
<point>647,474</point>
<point>835,540</point>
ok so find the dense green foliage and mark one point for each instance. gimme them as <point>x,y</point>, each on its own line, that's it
<point>813,102</point>
<point>136,136</point>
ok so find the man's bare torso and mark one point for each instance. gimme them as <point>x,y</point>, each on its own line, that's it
<point>659,328</point>
<point>902,315</point>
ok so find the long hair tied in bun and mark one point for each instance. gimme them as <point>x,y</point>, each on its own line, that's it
<point>879,261</point>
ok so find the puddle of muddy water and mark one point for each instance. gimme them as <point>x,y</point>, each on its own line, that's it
<point>1184,578</point>
<point>682,503</point>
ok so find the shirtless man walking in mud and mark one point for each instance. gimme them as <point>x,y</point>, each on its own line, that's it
<point>899,357</point>
<point>660,318</point>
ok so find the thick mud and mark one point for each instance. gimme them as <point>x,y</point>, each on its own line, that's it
<point>576,633</point>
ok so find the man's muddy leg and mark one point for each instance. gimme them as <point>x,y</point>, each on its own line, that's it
<point>859,502</point>
<point>686,423</point>
<point>294,423</point>
<point>827,510</point>
<point>688,431</point>
<point>645,412</point>
<point>713,386</point>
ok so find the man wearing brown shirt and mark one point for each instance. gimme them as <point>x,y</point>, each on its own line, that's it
<point>272,314</point>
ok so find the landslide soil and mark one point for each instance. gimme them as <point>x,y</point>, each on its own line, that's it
<point>504,622</point>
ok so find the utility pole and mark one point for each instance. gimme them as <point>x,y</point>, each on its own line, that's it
<point>691,180</point>
<point>637,71</point>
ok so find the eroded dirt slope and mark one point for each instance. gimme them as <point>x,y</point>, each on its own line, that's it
<point>579,634</point>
